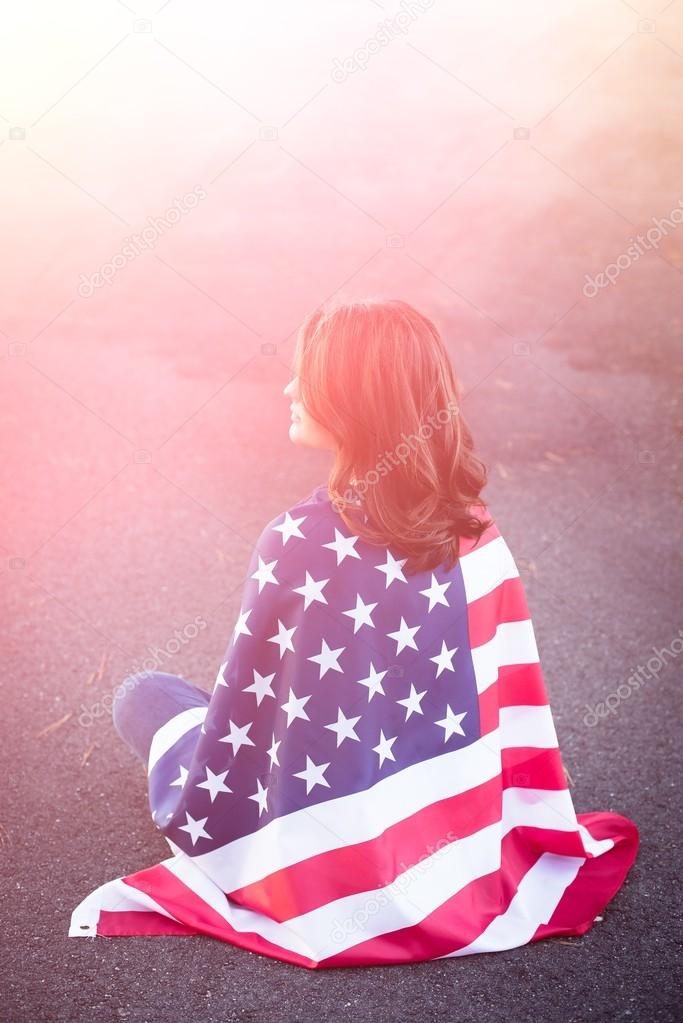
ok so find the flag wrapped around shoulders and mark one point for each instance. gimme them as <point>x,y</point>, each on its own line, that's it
<point>376,777</point>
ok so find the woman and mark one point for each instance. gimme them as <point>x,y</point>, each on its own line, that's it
<point>375,777</point>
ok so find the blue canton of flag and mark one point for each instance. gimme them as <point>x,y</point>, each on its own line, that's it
<point>341,669</point>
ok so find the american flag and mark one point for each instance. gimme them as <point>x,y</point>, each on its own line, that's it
<point>376,776</point>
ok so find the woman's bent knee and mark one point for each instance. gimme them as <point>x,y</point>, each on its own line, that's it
<point>121,703</point>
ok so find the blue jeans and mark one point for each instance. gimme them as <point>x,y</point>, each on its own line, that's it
<point>150,700</point>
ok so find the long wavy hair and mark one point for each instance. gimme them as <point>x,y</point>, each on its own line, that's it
<point>376,374</point>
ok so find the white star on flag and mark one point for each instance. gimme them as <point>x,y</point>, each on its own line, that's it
<point>272,752</point>
<point>295,707</point>
<point>264,573</point>
<point>313,775</point>
<point>180,780</point>
<point>195,828</point>
<point>383,748</point>
<point>393,569</point>
<point>327,659</point>
<point>412,702</point>
<point>343,546</point>
<point>373,682</point>
<point>344,727</point>
<point>436,593</point>
<point>361,614</point>
<point>241,627</point>
<point>404,636</point>
<point>260,797</point>
<point>289,527</point>
<point>451,723</point>
<point>238,736</point>
<point>220,681</point>
<point>260,686</point>
<point>444,659</point>
<point>312,590</point>
<point>283,638</point>
<point>215,783</point>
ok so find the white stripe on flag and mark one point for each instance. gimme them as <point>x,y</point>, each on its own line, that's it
<point>167,736</point>
<point>114,896</point>
<point>539,808</point>
<point>552,810</point>
<point>513,643</point>
<point>486,567</point>
<point>595,846</point>
<point>527,726</point>
<point>534,903</point>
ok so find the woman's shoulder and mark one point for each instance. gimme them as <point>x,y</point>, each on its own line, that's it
<point>316,504</point>
<point>289,527</point>
<point>315,517</point>
<point>320,495</point>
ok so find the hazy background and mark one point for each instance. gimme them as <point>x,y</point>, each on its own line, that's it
<point>478,164</point>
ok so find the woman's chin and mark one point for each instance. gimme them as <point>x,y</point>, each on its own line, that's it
<point>295,433</point>
<point>305,436</point>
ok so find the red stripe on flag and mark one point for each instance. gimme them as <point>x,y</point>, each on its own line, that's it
<point>518,685</point>
<point>458,921</point>
<point>185,905</point>
<point>506,603</point>
<point>533,768</point>
<point>521,685</point>
<point>489,711</point>
<point>126,923</point>
<point>373,864</point>
<point>598,880</point>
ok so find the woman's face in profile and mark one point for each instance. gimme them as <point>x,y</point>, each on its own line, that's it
<point>303,428</point>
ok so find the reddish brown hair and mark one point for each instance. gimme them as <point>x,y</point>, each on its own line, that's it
<point>376,374</point>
